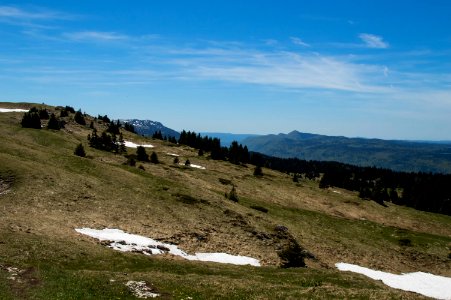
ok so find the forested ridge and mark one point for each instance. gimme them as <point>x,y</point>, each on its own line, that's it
<point>420,190</point>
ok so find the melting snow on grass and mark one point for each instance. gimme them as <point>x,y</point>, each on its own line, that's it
<point>193,166</point>
<point>3,110</point>
<point>172,154</point>
<point>430,285</point>
<point>122,241</point>
<point>133,145</point>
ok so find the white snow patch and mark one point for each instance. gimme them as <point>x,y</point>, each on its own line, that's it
<point>140,289</point>
<point>193,166</point>
<point>4,110</point>
<point>127,242</point>
<point>133,145</point>
<point>426,284</point>
<point>172,154</point>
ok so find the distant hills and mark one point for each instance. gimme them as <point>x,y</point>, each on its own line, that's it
<point>148,128</point>
<point>406,156</point>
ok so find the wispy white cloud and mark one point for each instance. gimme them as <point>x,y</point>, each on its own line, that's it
<point>373,41</point>
<point>299,42</point>
<point>96,36</point>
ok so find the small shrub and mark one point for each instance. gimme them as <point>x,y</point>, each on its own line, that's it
<point>258,171</point>
<point>154,158</point>
<point>131,162</point>
<point>260,208</point>
<point>187,163</point>
<point>200,153</point>
<point>405,242</point>
<point>141,167</point>
<point>80,150</point>
<point>176,160</point>
<point>64,113</point>
<point>292,256</point>
<point>225,181</point>
<point>232,195</point>
<point>69,109</point>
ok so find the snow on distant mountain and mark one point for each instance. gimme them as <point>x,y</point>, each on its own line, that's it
<point>149,127</point>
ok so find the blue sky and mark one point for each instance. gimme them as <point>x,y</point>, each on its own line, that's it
<point>354,68</point>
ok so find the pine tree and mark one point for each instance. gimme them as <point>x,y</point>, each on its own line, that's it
<point>154,158</point>
<point>43,114</point>
<point>201,152</point>
<point>80,151</point>
<point>141,154</point>
<point>176,160</point>
<point>122,148</point>
<point>187,163</point>
<point>79,118</point>
<point>31,120</point>
<point>53,123</point>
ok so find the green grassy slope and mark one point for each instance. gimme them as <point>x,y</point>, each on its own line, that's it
<point>46,192</point>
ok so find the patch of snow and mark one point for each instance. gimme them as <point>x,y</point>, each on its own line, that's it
<point>125,242</point>
<point>193,166</point>
<point>226,259</point>
<point>141,290</point>
<point>426,284</point>
<point>335,191</point>
<point>4,110</point>
<point>133,145</point>
<point>172,154</point>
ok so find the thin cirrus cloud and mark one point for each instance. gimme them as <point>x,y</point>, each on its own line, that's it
<point>12,13</point>
<point>283,69</point>
<point>373,41</point>
<point>299,42</point>
<point>96,36</point>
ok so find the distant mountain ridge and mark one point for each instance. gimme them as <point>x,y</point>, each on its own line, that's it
<point>228,138</point>
<point>408,156</point>
<point>149,127</point>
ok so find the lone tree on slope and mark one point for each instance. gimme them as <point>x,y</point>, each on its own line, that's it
<point>141,154</point>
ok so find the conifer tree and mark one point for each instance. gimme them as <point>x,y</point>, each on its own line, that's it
<point>141,154</point>
<point>122,148</point>
<point>176,160</point>
<point>154,158</point>
<point>53,123</point>
<point>31,120</point>
<point>80,151</point>
<point>79,118</point>
<point>43,114</point>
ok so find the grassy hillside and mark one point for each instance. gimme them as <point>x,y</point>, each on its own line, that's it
<point>46,191</point>
<point>395,155</point>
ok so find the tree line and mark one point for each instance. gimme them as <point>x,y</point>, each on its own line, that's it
<point>423,191</point>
